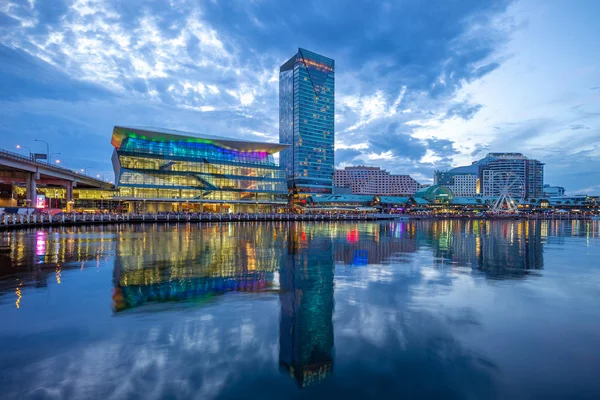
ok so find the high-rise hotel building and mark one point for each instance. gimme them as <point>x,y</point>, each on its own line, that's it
<point>306,121</point>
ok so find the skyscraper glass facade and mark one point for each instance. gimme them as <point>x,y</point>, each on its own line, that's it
<point>306,121</point>
<point>165,168</point>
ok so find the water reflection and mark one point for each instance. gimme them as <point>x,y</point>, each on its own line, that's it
<point>246,306</point>
<point>306,328</point>
<point>193,265</point>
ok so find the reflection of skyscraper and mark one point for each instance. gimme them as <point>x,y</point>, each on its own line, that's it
<point>306,329</point>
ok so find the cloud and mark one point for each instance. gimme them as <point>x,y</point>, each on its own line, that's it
<point>463,110</point>
<point>479,149</point>
<point>344,156</point>
<point>576,127</point>
<point>405,73</point>
<point>23,76</point>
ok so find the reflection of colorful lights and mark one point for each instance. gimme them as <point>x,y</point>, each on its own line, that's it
<point>40,243</point>
<point>361,257</point>
<point>195,289</point>
<point>19,296</point>
<point>58,273</point>
<point>352,236</point>
<point>399,230</point>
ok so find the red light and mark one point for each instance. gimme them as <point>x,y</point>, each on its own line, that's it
<point>352,236</point>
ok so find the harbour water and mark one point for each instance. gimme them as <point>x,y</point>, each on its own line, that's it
<point>272,310</point>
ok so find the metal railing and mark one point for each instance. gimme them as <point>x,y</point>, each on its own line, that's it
<point>8,221</point>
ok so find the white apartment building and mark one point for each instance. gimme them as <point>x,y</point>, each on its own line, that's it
<point>465,185</point>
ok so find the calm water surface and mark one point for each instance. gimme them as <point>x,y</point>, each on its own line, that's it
<point>426,309</point>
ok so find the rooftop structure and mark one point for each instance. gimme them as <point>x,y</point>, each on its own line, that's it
<point>434,194</point>
<point>553,191</point>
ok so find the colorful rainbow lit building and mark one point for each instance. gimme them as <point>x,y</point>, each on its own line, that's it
<point>162,170</point>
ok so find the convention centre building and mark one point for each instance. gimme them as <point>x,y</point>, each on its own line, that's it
<point>161,170</point>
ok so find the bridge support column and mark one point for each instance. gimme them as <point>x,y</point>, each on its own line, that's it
<point>69,196</point>
<point>31,188</point>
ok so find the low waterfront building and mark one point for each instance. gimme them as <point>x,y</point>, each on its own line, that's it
<point>435,194</point>
<point>162,170</point>
<point>374,181</point>
<point>339,203</point>
<point>553,191</point>
<point>83,199</point>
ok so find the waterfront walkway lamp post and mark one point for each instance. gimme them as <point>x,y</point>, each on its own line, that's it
<point>25,147</point>
<point>47,148</point>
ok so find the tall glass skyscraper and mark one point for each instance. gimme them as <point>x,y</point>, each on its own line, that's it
<point>306,121</point>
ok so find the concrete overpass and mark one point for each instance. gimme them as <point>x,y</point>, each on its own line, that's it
<point>17,169</point>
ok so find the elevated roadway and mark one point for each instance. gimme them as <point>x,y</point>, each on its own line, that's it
<point>18,169</point>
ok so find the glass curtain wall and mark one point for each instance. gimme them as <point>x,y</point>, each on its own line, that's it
<point>307,106</point>
<point>161,169</point>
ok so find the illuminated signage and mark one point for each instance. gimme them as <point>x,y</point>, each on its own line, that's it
<point>40,201</point>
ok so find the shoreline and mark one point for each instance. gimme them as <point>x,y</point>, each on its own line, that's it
<point>14,223</point>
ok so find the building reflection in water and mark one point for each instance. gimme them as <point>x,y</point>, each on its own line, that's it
<point>195,265</point>
<point>164,263</point>
<point>500,249</point>
<point>306,348</point>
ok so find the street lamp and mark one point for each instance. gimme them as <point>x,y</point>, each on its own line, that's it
<point>50,157</point>
<point>25,147</point>
<point>84,170</point>
<point>102,176</point>
<point>57,161</point>
<point>47,148</point>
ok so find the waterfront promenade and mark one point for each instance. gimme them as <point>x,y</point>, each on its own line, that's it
<point>19,221</point>
<point>16,221</point>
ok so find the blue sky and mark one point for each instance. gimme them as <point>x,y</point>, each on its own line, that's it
<point>420,85</point>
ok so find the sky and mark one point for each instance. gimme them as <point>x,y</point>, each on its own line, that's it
<point>420,85</point>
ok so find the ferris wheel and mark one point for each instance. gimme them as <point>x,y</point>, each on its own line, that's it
<point>508,189</point>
